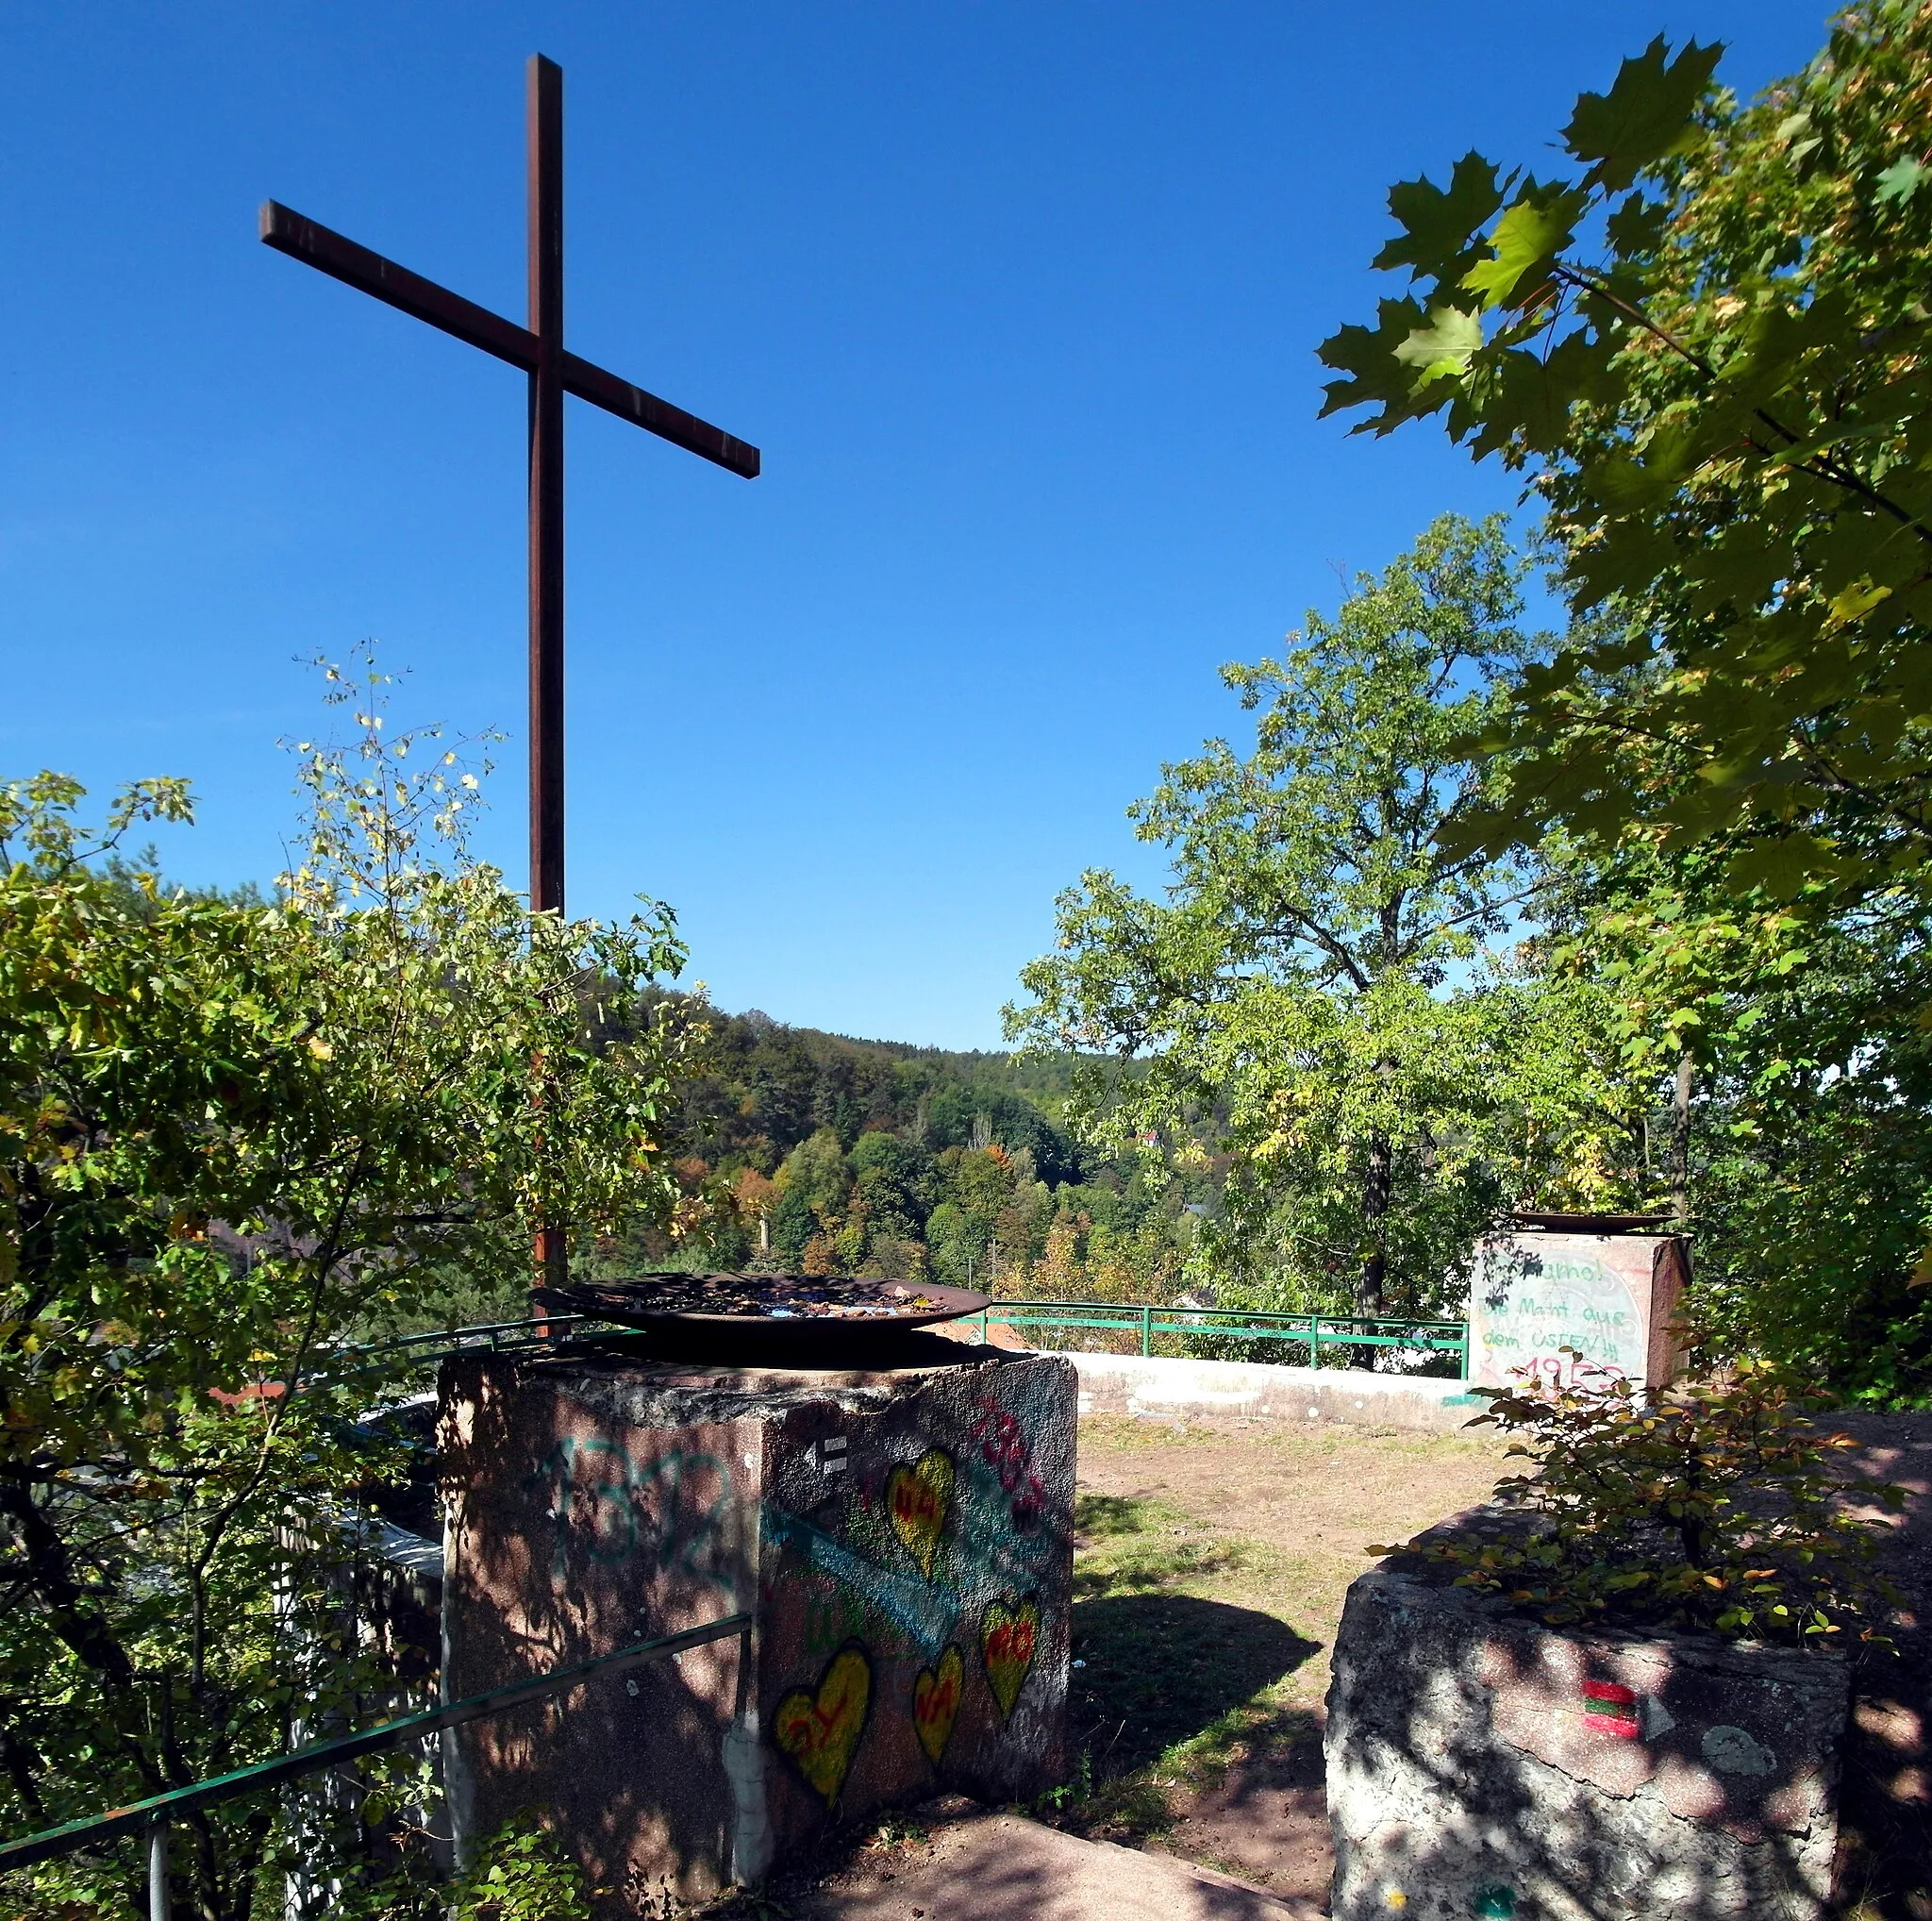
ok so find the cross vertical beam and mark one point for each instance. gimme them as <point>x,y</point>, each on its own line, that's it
<point>544,137</point>
<point>538,350</point>
<point>544,190</point>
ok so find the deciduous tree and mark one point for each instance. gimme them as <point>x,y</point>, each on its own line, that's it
<point>1319,983</point>
<point>1703,344</point>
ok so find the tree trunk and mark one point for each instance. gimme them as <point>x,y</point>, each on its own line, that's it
<point>1375,1192</point>
<point>1680,1140</point>
<point>1370,1285</point>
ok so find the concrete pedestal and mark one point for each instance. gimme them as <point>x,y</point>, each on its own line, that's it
<point>1610,1296</point>
<point>903,1534</point>
<point>1483,1764</point>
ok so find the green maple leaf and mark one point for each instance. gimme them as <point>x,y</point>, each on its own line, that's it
<point>1637,227</point>
<point>1436,224</point>
<point>1526,407</point>
<point>1444,347</point>
<point>1900,180</point>
<point>1527,238</point>
<point>1859,598</point>
<point>1645,115</point>
<point>1372,359</point>
<point>1782,866</point>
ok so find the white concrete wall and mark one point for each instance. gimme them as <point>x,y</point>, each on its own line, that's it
<point>1172,1390</point>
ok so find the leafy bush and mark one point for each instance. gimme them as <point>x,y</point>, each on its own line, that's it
<point>519,1874</point>
<point>1713,1505</point>
<point>234,1135</point>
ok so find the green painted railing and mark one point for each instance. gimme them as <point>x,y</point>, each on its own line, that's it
<point>1313,1331</point>
<point>153,1814</point>
<point>493,1337</point>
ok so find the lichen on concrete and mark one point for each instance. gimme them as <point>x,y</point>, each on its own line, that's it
<point>1480,1764</point>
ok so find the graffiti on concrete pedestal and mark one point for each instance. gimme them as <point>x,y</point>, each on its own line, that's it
<point>670,1508</point>
<point>919,1499</point>
<point>1544,1304</point>
<point>935,1693</point>
<point>1529,1306</point>
<point>925,1617</point>
<point>818,1729</point>
<point>830,1615</point>
<point>941,1554</point>
<point>1005,1448</point>
<point>902,1541</point>
<point>1009,1637</point>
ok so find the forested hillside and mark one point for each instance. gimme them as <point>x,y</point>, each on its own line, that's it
<point>815,1151</point>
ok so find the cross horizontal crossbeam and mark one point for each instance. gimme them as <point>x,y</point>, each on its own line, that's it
<point>361,267</point>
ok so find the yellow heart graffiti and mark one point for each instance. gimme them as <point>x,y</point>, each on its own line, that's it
<point>936,1694</point>
<point>1006,1640</point>
<point>919,1499</point>
<point>818,1730</point>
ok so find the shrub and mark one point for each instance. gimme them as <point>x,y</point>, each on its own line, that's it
<point>235,1134</point>
<point>1713,1505</point>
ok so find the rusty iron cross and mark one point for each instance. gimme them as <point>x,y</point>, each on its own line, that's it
<point>538,349</point>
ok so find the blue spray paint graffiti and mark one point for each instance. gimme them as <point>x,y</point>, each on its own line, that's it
<point>671,1510</point>
<point>926,1617</point>
<point>987,1542</point>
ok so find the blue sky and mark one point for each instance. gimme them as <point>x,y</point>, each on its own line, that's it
<point>1019,297</point>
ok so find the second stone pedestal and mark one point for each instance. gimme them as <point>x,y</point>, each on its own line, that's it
<point>1613,1298</point>
<point>1479,1763</point>
<point>903,1535</point>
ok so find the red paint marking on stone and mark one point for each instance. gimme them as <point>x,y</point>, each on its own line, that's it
<point>1610,1708</point>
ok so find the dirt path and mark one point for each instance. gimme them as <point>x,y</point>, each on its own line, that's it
<point>1885,1846</point>
<point>1211,1572</point>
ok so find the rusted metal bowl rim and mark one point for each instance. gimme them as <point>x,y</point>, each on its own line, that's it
<point>628,1303</point>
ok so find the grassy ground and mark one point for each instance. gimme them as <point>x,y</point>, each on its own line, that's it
<point>1209,1577</point>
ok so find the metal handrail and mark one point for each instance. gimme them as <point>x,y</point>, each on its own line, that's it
<point>489,1335</point>
<point>155,1813</point>
<point>1313,1329</point>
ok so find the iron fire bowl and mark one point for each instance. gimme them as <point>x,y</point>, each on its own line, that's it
<point>795,1314</point>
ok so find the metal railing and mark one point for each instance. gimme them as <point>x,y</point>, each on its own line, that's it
<point>154,1814</point>
<point>1314,1331</point>
<point>494,1337</point>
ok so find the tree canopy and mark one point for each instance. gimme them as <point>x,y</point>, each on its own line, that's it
<point>1321,979</point>
<point>1704,344</point>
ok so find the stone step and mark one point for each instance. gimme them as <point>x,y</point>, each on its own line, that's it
<point>1002,1867</point>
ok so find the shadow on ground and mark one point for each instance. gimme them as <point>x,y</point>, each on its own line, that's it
<point>1163,1668</point>
<point>1885,1809</point>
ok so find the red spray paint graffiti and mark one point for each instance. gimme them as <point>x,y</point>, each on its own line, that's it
<point>935,1693</point>
<point>919,1498</point>
<point>1003,1446</point>
<point>1009,1635</point>
<point>818,1729</point>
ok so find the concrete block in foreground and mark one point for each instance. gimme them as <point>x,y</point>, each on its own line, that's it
<point>904,1535</point>
<point>1001,1867</point>
<point>1480,1764</point>
<point>1170,1389</point>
